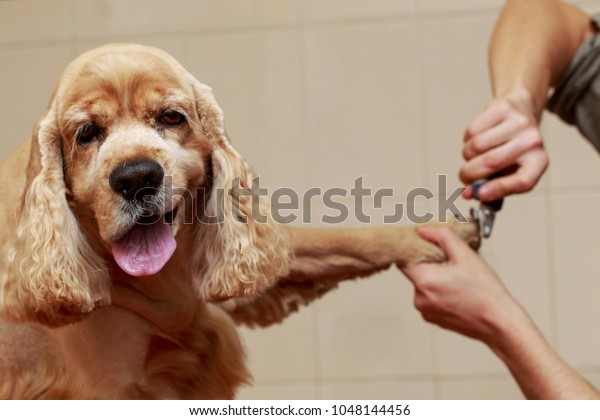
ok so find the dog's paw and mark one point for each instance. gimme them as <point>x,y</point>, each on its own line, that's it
<point>468,231</point>
<point>426,251</point>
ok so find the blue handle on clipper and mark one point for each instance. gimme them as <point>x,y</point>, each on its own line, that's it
<point>496,204</point>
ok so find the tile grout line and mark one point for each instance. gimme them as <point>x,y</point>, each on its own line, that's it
<point>267,27</point>
<point>72,41</point>
<point>301,49</point>
<point>303,85</point>
<point>549,227</point>
<point>457,377</point>
<point>551,267</point>
<point>565,191</point>
<point>552,279</point>
<point>422,127</point>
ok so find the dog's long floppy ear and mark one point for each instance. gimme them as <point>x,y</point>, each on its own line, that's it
<point>240,252</point>
<point>49,272</point>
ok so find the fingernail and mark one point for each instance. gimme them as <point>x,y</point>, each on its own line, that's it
<point>485,192</point>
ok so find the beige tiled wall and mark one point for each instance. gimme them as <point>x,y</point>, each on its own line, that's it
<point>317,93</point>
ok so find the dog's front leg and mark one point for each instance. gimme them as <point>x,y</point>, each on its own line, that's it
<point>324,257</point>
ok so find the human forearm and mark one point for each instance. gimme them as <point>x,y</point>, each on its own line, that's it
<point>466,296</point>
<point>540,372</point>
<point>532,45</point>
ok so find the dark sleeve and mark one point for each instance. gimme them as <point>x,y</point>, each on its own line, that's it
<point>576,99</point>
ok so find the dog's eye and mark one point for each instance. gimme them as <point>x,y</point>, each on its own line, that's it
<point>87,133</point>
<point>171,118</point>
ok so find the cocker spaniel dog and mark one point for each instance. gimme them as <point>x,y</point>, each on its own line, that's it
<point>114,282</point>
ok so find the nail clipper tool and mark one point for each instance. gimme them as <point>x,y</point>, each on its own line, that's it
<point>485,214</point>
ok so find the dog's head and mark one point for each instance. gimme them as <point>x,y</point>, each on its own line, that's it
<point>130,162</point>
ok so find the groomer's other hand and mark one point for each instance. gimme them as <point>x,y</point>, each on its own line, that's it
<point>504,137</point>
<point>463,294</point>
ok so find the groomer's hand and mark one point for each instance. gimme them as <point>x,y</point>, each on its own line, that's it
<point>504,137</point>
<point>463,294</point>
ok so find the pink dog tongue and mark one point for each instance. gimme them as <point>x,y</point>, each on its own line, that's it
<point>145,249</point>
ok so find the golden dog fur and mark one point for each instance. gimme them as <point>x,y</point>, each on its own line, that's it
<point>77,326</point>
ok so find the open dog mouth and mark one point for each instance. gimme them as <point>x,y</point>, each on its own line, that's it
<point>151,218</point>
<point>145,248</point>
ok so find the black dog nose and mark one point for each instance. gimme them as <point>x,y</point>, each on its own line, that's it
<point>135,179</point>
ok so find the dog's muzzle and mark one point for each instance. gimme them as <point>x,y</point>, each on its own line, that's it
<point>149,244</point>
